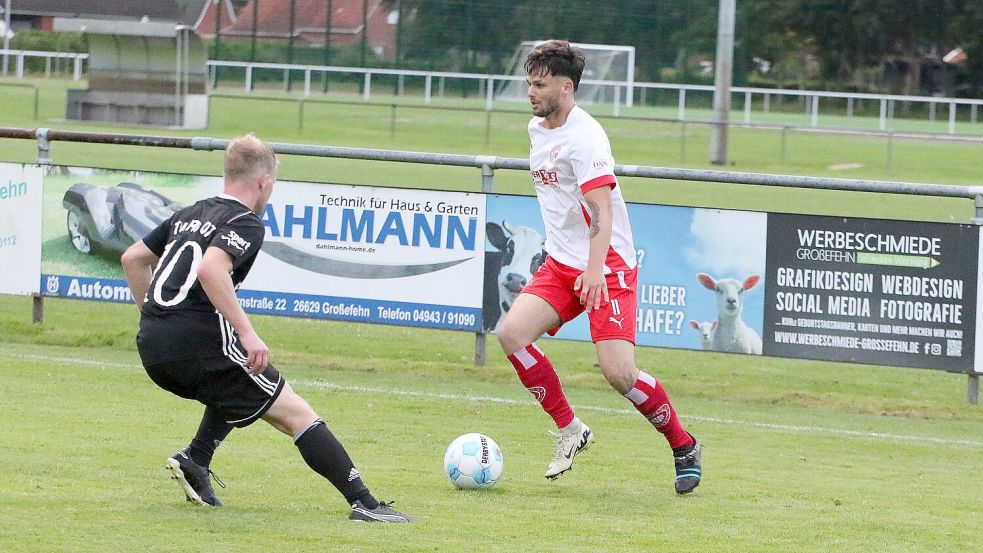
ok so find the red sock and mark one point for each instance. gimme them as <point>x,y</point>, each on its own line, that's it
<point>537,375</point>
<point>651,400</point>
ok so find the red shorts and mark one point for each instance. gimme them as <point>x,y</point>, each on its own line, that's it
<point>615,320</point>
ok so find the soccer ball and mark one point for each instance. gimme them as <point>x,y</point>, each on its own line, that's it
<point>473,461</point>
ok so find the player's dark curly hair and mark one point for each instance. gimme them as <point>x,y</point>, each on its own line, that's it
<point>557,58</point>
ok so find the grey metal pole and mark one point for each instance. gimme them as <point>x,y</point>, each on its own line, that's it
<point>37,311</point>
<point>890,151</point>
<point>300,116</point>
<point>973,380</point>
<point>6,35</point>
<point>721,82</point>
<point>392,122</point>
<point>783,156</point>
<point>481,338</point>
<point>682,141</point>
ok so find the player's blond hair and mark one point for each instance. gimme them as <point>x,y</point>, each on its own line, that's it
<point>246,156</point>
<point>558,58</point>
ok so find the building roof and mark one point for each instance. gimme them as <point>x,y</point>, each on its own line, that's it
<point>310,16</point>
<point>184,12</point>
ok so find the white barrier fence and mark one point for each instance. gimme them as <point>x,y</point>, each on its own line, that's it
<point>50,58</point>
<point>899,293</point>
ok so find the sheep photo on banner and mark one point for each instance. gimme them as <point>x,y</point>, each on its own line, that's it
<point>682,251</point>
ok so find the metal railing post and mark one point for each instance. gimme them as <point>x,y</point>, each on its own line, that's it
<point>392,122</point>
<point>682,141</point>
<point>44,158</point>
<point>890,151</point>
<point>481,338</point>
<point>783,156</point>
<point>37,309</point>
<point>300,116</point>
<point>973,380</point>
<point>44,148</point>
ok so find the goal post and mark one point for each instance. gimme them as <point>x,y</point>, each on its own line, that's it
<point>605,62</point>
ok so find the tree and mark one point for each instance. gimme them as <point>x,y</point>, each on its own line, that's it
<point>833,44</point>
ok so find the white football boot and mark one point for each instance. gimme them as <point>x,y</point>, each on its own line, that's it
<point>570,441</point>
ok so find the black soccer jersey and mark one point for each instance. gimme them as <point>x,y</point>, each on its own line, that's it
<point>178,321</point>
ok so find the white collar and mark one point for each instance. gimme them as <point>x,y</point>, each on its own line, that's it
<point>231,197</point>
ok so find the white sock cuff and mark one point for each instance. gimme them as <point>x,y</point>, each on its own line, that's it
<point>525,358</point>
<point>572,428</point>
<point>309,426</point>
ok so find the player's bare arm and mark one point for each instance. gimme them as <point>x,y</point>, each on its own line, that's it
<point>592,284</point>
<point>214,274</point>
<point>138,262</point>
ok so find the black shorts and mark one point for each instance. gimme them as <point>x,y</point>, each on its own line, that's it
<point>222,384</point>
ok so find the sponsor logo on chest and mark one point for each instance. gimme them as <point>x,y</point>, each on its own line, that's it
<point>542,177</point>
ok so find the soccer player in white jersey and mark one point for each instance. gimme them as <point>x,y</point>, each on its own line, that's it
<point>591,266</point>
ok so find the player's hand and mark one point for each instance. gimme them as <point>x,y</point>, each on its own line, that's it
<point>592,287</point>
<point>259,354</point>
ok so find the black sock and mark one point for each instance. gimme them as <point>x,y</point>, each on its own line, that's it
<point>325,454</point>
<point>212,430</point>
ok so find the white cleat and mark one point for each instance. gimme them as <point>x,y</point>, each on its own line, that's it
<point>570,441</point>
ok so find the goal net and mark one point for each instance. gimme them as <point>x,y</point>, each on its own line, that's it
<point>604,63</point>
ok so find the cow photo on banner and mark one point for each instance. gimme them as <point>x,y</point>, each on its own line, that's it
<point>700,281</point>
<point>514,251</point>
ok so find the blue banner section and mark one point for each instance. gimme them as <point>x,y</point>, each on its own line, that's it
<point>86,288</point>
<point>290,305</point>
<point>361,310</point>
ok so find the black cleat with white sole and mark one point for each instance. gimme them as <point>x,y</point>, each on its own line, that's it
<point>193,478</point>
<point>383,513</point>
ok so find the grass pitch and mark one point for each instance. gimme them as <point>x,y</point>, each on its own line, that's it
<point>799,456</point>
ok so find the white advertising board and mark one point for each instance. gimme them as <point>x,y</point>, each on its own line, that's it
<point>20,228</point>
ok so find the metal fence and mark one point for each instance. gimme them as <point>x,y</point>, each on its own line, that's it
<point>57,62</point>
<point>492,117</point>
<point>816,109</point>
<point>434,84</point>
<point>487,165</point>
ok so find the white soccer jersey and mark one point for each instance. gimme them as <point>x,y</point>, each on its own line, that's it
<point>566,162</point>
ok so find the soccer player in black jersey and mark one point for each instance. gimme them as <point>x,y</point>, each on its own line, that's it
<point>196,342</point>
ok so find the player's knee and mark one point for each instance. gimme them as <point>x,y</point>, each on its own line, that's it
<point>620,374</point>
<point>290,412</point>
<point>509,336</point>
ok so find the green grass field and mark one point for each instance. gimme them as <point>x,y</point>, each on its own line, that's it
<point>799,455</point>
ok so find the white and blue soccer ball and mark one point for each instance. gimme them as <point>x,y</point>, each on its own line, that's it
<point>473,461</point>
